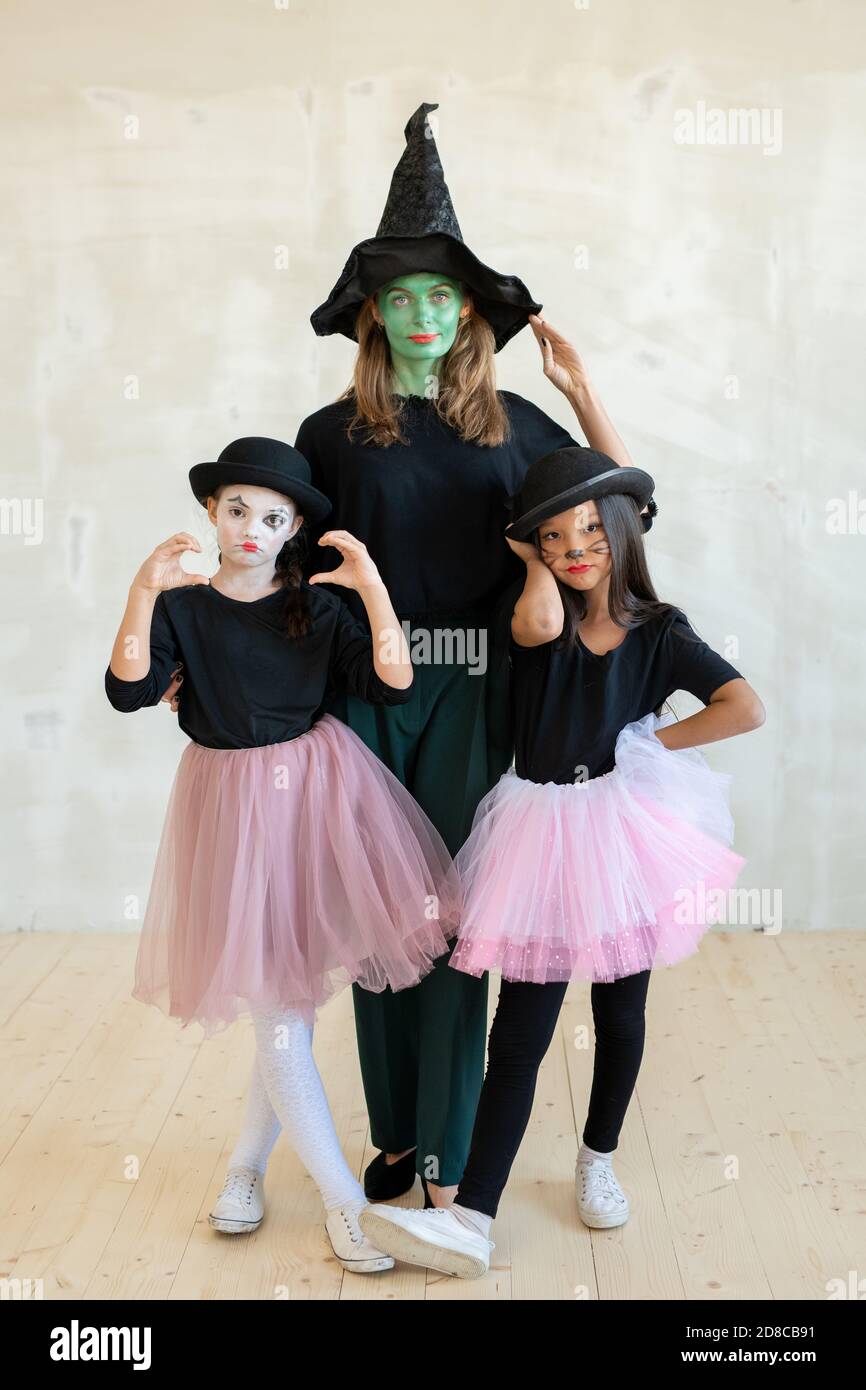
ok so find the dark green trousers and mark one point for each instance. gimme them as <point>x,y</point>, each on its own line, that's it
<point>422,1049</point>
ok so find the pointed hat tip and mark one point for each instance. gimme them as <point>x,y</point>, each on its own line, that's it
<point>419,117</point>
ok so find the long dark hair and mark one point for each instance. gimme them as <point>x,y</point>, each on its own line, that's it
<point>288,571</point>
<point>632,599</point>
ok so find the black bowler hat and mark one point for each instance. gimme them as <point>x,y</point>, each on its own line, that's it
<point>570,476</point>
<point>262,462</point>
<point>419,231</point>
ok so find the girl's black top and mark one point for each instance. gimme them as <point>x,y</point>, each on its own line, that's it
<point>430,512</point>
<point>246,683</point>
<point>569,704</point>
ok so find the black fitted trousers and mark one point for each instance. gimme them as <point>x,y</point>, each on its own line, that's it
<point>520,1035</point>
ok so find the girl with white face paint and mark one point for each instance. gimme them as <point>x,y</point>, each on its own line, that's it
<point>292,862</point>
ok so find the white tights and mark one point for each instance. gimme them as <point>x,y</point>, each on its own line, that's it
<point>286,1092</point>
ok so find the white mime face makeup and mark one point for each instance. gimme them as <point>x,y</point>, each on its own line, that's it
<point>253,524</point>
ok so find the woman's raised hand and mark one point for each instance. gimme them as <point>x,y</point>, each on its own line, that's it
<point>357,570</point>
<point>162,569</point>
<point>562,363</point>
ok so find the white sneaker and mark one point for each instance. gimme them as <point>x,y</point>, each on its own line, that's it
<point>241,1204</point>
<point>600,1199</point>
<point>433,1238</point>
<point>349,1243</point>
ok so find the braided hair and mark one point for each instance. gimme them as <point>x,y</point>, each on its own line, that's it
<point>289,568</point>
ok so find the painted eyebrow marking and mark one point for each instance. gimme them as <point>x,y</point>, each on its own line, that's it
<point>280,507</point>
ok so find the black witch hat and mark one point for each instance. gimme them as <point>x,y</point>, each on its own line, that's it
<point>419,231</point>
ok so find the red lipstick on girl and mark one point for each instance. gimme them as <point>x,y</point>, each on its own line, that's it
<point>250,545</point>
<point>579,569</point>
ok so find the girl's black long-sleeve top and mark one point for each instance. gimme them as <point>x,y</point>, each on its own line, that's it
<point>246,683</point>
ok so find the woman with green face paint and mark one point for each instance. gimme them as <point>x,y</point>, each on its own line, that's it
<point>420,456</point>
<point>420,314</point>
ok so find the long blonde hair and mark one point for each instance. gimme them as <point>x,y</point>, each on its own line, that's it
<point>466,397</point>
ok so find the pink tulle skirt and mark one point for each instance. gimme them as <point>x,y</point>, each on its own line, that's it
<point>285,873</point>
<point>600,879</point>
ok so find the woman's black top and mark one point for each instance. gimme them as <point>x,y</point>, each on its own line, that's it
<point>431,513</point>
<point>246,683</point>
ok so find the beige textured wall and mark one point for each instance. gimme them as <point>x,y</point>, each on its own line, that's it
<point>718,301</point>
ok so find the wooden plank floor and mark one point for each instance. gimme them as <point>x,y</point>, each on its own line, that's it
<point>743,1151</point>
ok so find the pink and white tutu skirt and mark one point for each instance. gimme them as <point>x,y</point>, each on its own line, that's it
<point>599,879</point>
<point>285,873</point>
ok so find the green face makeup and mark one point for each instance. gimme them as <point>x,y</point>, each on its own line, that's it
<point>421,313</point>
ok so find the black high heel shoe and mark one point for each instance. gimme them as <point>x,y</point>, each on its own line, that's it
<point>382,1180</point>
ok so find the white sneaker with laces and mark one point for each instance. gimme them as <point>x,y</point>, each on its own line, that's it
<point>240,1206</point>
<point>600,1199</point>
<point>433,1238</point>
<point>349,1243</point>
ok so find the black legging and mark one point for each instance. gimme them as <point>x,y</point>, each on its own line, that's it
<point>522,1028</point>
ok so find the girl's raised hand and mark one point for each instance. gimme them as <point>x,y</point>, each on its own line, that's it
<point>162,569</point>
<point>357,570</point>
<point>525,549</point>
<point>562,363</point>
